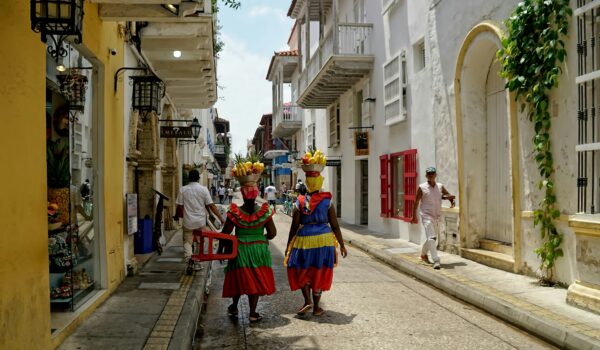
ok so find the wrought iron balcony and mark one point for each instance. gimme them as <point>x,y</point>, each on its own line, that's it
<point>219,150</point>
<point>288,120</point>
<point>343,58</point>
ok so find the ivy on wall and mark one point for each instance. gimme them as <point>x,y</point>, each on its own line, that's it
<point>532,54</point>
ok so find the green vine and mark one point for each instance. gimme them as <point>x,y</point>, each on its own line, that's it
<point>531,56</point>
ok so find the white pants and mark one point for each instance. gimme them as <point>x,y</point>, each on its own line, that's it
<point>431,232</point>
<point>188,239</point>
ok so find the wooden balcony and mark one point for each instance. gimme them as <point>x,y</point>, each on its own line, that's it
<point>343,58</point>
<point>288,120</point>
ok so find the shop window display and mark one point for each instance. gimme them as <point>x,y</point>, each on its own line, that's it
<point>72,242</point>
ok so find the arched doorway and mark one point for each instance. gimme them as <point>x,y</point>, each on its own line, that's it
<point>489,190</point>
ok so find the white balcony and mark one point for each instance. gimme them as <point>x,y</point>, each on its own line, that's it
<point>343,58</point>
<point>288,120</point>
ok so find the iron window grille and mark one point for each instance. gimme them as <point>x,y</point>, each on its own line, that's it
<point>588,73</point>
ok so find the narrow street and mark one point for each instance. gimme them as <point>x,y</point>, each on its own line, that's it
<point>370,306</point>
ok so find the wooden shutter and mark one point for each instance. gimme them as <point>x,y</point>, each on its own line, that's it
<point>410,183</point>
<point>384,173</point>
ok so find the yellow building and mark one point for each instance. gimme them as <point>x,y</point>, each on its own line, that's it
<point>26,320</point>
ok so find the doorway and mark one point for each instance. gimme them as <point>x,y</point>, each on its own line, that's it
<point>498,185</point>
<point>364,192</point>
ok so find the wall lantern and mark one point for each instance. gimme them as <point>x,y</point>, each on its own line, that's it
<point>57,19</point>
<point>148,90</point>
<point>196,129</point>
<point>73,86</point>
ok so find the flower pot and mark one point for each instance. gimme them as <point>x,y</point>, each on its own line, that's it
<point>60,196</point>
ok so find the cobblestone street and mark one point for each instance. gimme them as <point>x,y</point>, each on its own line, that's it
<point>370,306</point>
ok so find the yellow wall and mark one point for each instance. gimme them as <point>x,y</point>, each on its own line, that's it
<point>24,281</point>
<point>24,285</point>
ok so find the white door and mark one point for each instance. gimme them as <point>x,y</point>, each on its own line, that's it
<point>498,185</point>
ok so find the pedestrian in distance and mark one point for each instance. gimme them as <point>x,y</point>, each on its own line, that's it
<point>262,190</point>
<point>430,195</point>
<point>230,195</point>
<point>193,203</point>
<point>250,272</point>
<point>271,195</point>
<point>314,236</point>
<point>221,194</point>
<point>283,188</point>
<point>298,185</point>
<point>213,191</point>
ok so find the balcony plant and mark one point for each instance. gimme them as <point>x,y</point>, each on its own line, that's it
<point>58,176</point>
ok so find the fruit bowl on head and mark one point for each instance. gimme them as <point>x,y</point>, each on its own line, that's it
<point>248,178</point>
<point>313,167</point>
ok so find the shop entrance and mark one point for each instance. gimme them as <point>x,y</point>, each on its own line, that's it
<point>73,241</point>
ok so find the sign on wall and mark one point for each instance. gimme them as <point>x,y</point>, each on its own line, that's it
<point>361,143</point>
<point>132,221</point>
<point>170,132</point>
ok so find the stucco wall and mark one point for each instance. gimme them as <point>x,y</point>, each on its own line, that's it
<point>24,291</point>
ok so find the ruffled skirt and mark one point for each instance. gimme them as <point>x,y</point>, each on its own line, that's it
<point>250,272</point>
<point>311,260</point>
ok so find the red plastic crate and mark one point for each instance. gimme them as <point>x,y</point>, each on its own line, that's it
<point>205,244</point>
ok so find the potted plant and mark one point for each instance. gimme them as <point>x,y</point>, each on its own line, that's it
<point>59,176</point>
<point>54,222</point>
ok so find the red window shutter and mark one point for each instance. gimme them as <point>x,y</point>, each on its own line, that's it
<point>384,173</point>
<point>410,183</point>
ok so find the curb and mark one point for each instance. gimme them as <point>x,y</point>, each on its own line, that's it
<point>185,329</point>
<point>546,329</point>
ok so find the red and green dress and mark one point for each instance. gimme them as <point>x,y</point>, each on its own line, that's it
<point>250,272</point>
<point>312,253</point>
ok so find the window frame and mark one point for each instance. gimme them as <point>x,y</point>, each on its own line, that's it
<point>398,77</point>
<point>409,178</point>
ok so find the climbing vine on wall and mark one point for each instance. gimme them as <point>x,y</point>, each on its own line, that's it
<point>532,55</point>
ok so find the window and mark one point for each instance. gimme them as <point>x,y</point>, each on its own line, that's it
<point>334,126</point>
<point>419,55</point>
<point>392,87</point>
<point>398,184</point>
<point>588,142</point>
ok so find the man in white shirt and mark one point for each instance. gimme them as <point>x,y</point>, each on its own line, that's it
<point>195,200</point>
<point>431,193</point>
<point>271,194</point>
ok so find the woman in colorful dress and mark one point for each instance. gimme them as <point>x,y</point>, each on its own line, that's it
<point>311,254</point>
<point>250,273</point>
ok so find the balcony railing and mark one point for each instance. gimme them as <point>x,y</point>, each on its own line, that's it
<point>288,120</point>
<point>350,39</point>
<point>219,150</point>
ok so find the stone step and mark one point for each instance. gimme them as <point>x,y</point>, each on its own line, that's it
<point>493,259</point>
<point>496,246</point>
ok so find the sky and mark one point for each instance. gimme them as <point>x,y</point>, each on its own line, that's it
<point>251,35</point>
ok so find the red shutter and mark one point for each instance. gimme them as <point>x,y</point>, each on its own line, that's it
<point>410,183</point>
<point>384,174</point>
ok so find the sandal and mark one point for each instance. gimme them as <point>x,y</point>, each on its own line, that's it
<point>255,317</point>
<point>232,311</point>
<point>318,312</point>
<point>304,309</point>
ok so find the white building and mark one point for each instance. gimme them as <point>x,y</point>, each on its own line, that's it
<point>422,79</point>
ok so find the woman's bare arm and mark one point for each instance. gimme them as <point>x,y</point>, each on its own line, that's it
<point>335,227</point>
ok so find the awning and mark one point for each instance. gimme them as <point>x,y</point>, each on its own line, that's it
<point>274,153</point>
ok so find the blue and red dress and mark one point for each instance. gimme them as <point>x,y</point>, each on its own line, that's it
<point>250,272</point>
<point>312,253</point>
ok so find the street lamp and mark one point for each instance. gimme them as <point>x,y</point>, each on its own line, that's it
<point>60,18</point>
<point>196,128</point>
<point>148,90</point>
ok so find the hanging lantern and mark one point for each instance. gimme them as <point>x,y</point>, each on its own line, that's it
<point>147,93</point>
<point>57,19</point>
<point>73,87</point>
<point>196,129</point>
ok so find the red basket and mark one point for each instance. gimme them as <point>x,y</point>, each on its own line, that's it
<point>205,246</point>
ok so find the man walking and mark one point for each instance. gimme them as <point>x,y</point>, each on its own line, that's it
<point>221,194</point>
<point>194,200</point>
<point>431,194</point>
<point>271,194</point>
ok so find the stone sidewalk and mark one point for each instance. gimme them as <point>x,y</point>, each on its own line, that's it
<point>156,309</point>
<point>517,299</point>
